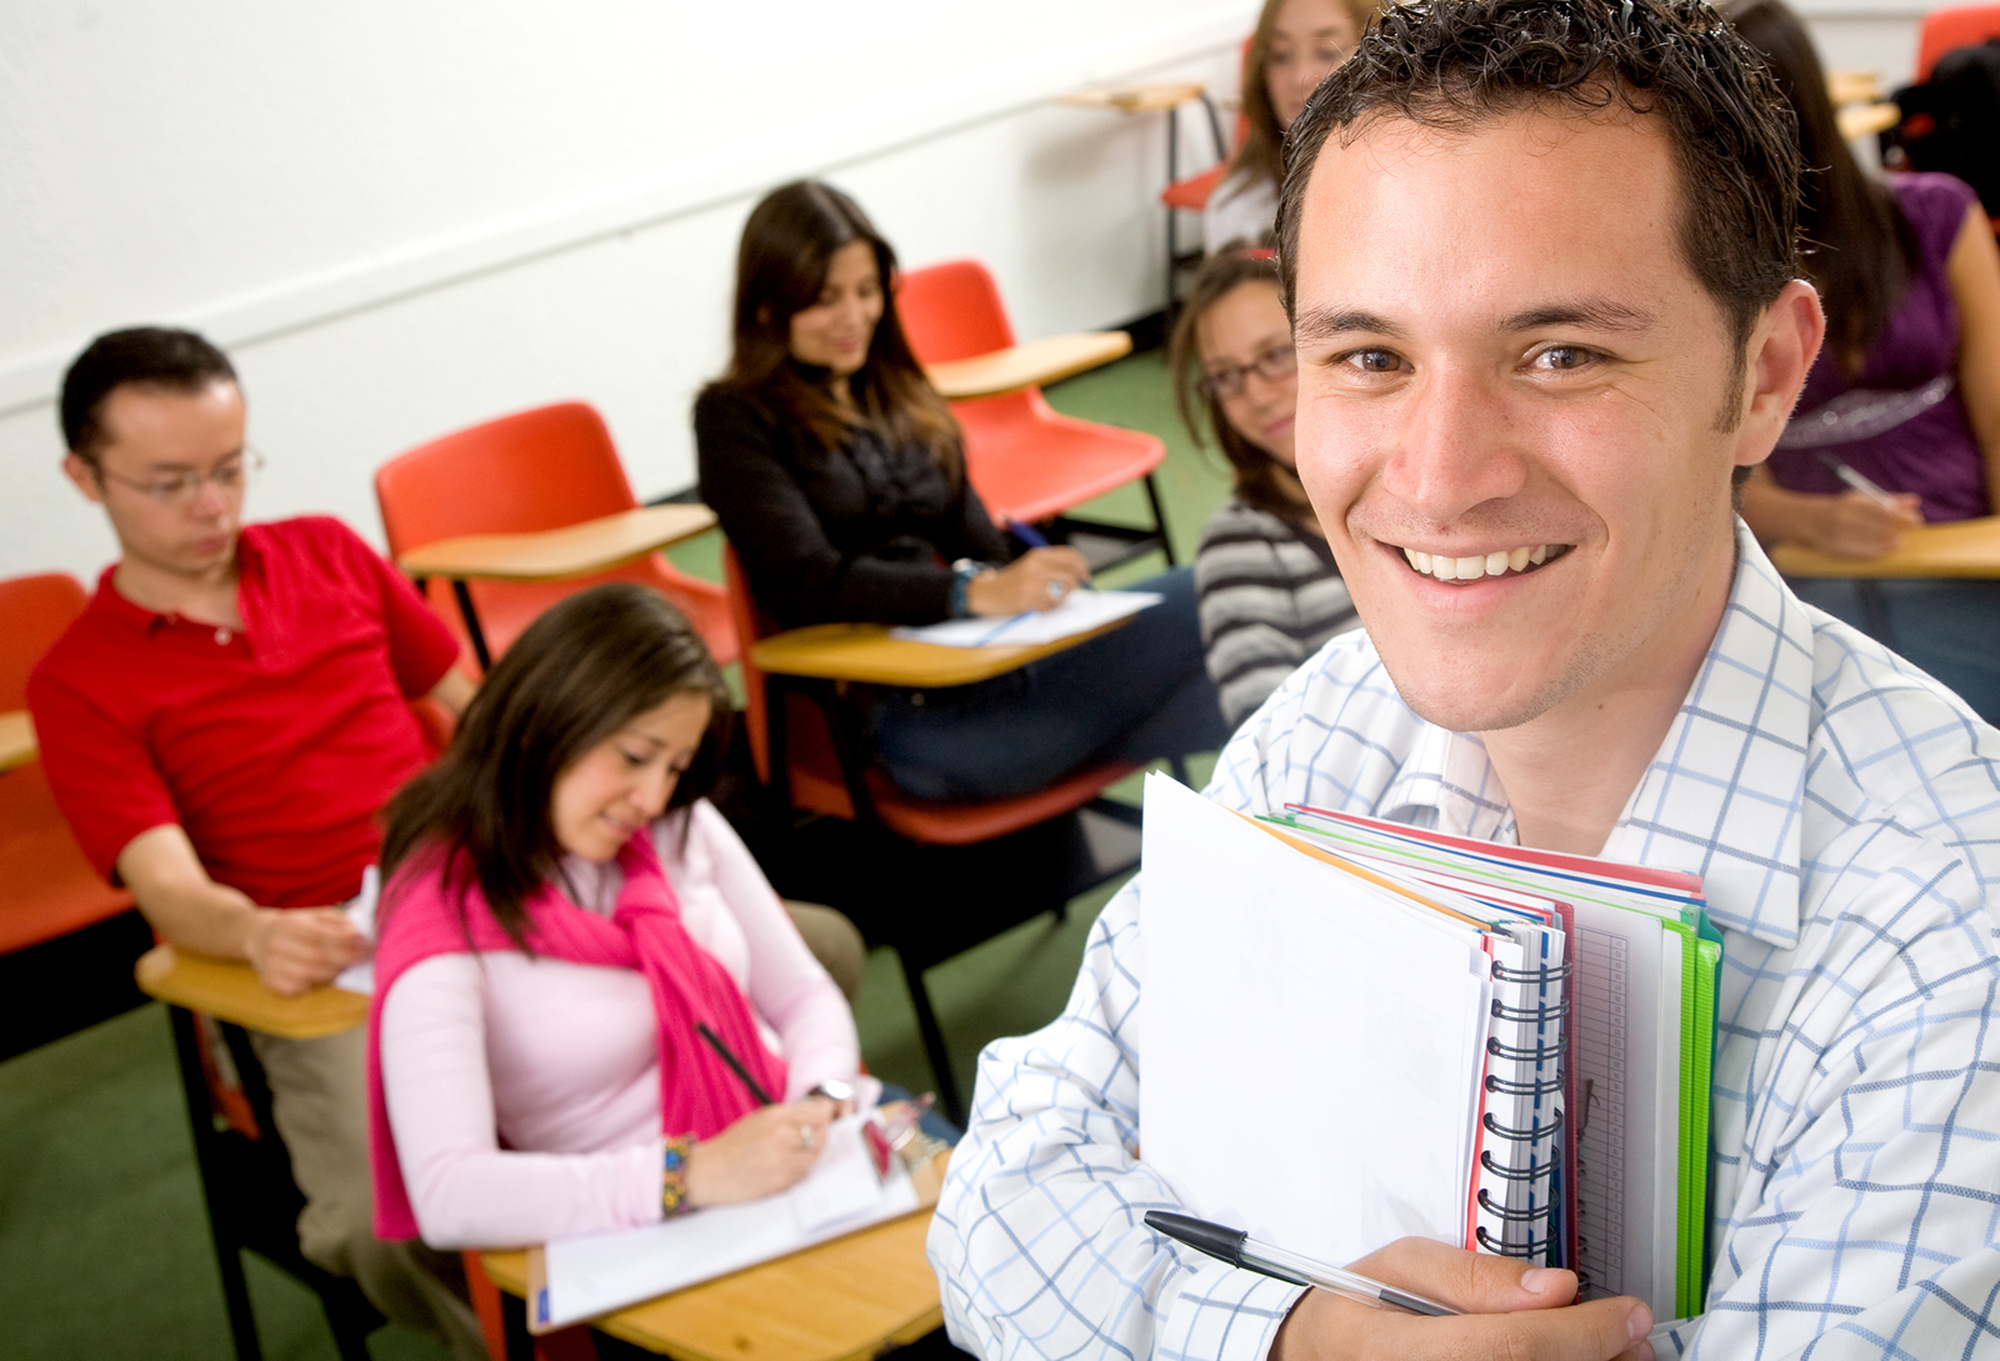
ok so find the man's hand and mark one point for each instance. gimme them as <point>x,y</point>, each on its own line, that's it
<point>1512,1312</point>
<point>297,949</point>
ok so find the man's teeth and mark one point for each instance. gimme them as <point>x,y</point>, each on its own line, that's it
<point>1495,564</point>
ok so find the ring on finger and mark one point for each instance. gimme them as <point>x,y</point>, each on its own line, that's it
<point>807,1136</point>
<point>1056,590</point>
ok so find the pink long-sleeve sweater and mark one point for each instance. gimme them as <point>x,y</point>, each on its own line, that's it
<point>524,1093</point>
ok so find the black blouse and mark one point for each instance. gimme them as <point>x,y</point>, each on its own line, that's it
<point>860,534</point>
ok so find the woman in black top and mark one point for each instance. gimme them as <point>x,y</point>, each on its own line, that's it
<point>838,474</point>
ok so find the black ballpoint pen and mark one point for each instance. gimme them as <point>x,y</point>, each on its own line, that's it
<point>1237,1248</point>
<point>736,1064</point>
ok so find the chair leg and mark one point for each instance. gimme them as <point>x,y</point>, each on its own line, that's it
<point>933,1037</point>
<point>1160,521</point>
<point>228,1256</point>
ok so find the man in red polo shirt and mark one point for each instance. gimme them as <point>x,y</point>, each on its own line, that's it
<point>221,726</point>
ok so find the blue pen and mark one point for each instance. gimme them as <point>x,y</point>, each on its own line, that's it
<point>1002,627</point>
<point>1028,534</point>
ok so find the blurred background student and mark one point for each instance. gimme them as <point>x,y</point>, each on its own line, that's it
<point>561,909</point>
<point>1296,44</point>
<point>838,474</point>
<point>1906,390</point>
<point>1269,592</point>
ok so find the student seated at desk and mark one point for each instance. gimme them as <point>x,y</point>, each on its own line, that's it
<point>561,911</point>
<point>1270,593</point>
<point>1295,45</point>
<point>1906,390</point>
<point>839,475</point>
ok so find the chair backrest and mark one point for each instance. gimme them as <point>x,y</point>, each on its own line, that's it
<point>539,469</point>
<point>34,611</point>
<point>1945,29</point>
<point>952,311</point>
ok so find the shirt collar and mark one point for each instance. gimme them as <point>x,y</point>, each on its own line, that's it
<point>1749,710</point>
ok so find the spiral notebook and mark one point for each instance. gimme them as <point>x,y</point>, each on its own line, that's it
<point>1341,1048</point>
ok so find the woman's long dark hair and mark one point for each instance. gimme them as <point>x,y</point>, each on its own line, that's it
<point>583,670</point>
<point>1859,247</point>
<point>1262,154</point>
<point>1261,481</point>
<point>781,266</point>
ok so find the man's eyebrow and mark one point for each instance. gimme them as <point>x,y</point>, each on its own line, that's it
<point>1593,314</point>
<point>1326,323</point>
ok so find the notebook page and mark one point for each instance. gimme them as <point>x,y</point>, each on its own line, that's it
<point>1296,1084</point>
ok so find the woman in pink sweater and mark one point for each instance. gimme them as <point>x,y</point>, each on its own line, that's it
<point>563,916</point>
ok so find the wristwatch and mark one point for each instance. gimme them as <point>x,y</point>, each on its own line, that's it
<point>962,573</point>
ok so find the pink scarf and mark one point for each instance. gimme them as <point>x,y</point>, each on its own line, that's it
<point>699,1095</point>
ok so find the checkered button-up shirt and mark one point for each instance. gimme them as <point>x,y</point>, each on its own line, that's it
<point>1844,813</point>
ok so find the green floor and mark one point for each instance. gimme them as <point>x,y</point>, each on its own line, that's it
<point>103,1245</point>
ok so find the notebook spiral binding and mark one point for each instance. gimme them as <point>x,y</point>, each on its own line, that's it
<point>1523,1124</point>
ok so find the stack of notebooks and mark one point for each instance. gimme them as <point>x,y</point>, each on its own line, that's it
<point>1357,1031</point>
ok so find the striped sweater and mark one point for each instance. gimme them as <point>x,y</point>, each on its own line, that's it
<point>1269,596</point>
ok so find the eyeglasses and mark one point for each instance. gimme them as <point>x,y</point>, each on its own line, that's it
<point>180,489</point>
<point>1226,384</point>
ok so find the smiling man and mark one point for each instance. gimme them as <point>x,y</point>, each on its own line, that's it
<point>1540,260</point>
<point>220,727</point>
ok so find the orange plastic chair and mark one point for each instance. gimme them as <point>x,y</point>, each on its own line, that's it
<point>47,888</point>
<point>1946,29</point>
<point>1028,463</point>
<point>539,469</point>
<point>822,767</point>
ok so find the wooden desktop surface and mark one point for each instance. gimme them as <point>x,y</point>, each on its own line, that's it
<point>1962,548</point>
<point>1145,98</point>
<point>17,739</point>
<point>1035,364</point>
<point>866,653</point>
<point>556,554</point>
<point>840,1301</point>
<point>229,990</point>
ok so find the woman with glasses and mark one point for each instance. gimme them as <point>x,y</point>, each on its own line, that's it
<point>1268,589</point>
<point>839,476</point>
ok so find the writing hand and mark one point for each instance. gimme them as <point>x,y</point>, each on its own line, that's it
<point>295,950</point>
<point>1039,579</point>
<point>1511,1312</point>
<point>1852,525</point>
<point>761,1154</point>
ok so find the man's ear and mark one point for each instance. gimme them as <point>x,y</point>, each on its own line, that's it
<point>1779,356</point>
<point>80,471</point>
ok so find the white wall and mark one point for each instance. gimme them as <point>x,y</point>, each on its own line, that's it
<point>402,218</point>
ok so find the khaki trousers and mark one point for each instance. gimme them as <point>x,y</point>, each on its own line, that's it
<point>319,1099</point>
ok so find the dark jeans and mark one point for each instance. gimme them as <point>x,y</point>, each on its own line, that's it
<point>1950,627</point>
<point>1136,693</point>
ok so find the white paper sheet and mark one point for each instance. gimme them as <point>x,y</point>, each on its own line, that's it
<point>361,912</point>
<point>596,1273</point>
<point>1311,1055</point>
<point>1080,612</point>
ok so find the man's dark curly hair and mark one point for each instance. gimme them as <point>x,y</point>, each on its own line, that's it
<point>1459,65</point>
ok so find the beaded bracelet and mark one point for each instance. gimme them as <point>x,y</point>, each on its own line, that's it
<point>673,1176</point>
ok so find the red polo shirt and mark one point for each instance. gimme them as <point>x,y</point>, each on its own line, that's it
<point>273,746</point>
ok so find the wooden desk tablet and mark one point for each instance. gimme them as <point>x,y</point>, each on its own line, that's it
<point>550,554</point>
<point>866,653</point>
<point>17,739</point>
<point>840,1301</point>
<point>1961,548</point>
<point>1865,120</point>
<point>1035,364</point>
<point>555,554</point>
<point>1147,98</point>
<point>229,990</point>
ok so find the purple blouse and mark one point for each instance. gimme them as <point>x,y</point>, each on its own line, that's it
<point>1909,430</point>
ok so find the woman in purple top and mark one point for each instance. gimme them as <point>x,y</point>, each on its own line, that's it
<point>1906,391</point>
